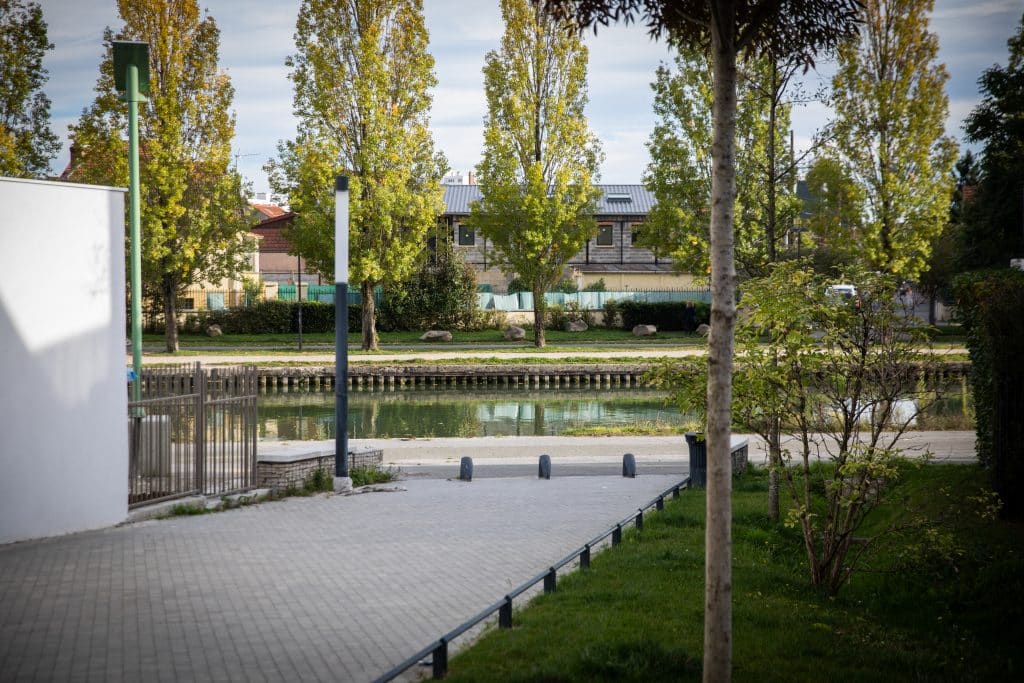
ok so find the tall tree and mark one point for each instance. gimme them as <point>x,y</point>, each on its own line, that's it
<point>679,174</point>
<point>891,106</point>
<point>26,142</point>
<point>362,78</point>
<point>834,214</point>
<point>540,160</point>
<point>993,220</point>
<point>797,29</point>
<point>194,216</point>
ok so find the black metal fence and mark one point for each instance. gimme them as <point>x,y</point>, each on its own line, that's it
<point>192,432</point>
<point>438,650</point>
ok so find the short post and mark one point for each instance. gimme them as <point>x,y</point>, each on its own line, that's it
<point>629,466</point>
<point>640,520</point>
<point>544,467</point>
<point>505,613</point>
<point>549,580</point>
<point>660,504</point>
<point>441,659</point>
<point>617,535</point>
<point>585,557</point>
<point>466,468</point>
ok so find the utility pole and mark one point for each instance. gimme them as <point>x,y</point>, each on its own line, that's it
<point>131,78</point>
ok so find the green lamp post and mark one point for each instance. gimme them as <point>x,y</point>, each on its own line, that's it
<point>131,78</point>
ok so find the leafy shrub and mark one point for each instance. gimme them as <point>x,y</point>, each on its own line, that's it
<point>440,295</point>
<point>612,318</point>
<point>567,286</point>
<point>598,286</point>
<point>556,317</point>
<point>665,316</point>
<point>990,305</point>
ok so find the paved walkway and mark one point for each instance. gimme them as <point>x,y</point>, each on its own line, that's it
<point>328,588</point>
<point>327,358</point>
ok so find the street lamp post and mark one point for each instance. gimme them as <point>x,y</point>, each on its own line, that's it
<point>341,470</point>
<point>131,78</point>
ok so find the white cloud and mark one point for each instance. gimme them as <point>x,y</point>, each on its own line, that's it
<point>256,36</point>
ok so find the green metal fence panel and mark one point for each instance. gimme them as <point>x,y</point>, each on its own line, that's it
<point>485,301</point>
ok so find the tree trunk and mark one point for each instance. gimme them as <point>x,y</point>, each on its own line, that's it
<point>718,531</point>
<point>775,462</point>
<point>169,292</point>
<point>772,170</point>
<point>538,318</point>
<point>369,317</point>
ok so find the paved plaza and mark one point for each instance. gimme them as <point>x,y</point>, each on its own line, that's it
<point>326,588</point>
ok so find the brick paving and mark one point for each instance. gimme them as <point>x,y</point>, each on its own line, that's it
<point>328,588</point>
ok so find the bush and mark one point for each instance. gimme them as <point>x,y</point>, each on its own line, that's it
<point>272,317</point>
<point>556,317</point>
<point>440,295</point>
<point>598,286</point>
<point>665,316</point>
<point>991,308</point>
<point>612,318</point>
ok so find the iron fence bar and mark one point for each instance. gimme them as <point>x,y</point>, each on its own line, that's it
<point>504,606</point>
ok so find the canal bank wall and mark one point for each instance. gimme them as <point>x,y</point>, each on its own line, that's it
<point>535,376</point>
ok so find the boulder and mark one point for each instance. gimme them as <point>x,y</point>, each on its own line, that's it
<point>436,336</point>
<point>645,331</point>
<point>575,326</point>
<point>213,331</point>
<point>703,330</point>
<point>515,334</point>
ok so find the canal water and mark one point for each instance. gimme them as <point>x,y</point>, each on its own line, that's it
<point>425,413</point>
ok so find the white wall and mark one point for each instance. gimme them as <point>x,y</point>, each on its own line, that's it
<point>63,394</point>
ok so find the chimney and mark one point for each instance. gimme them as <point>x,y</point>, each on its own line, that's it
<point>472,178</point>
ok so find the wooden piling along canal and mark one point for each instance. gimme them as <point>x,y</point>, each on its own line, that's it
<point>548,376</point>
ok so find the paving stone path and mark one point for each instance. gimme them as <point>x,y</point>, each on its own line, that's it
<point>328,588</point>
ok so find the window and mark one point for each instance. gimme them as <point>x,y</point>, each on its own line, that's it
<point>186,303</point>
<point>635,231</point>
<point>467,237</point>
<point>605,235</point>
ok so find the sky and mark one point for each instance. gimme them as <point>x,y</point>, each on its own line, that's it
<point>257,36</point>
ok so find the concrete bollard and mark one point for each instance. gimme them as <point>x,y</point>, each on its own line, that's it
<point>544,467</point>
<point>466,469</point>
<point>629,466</point>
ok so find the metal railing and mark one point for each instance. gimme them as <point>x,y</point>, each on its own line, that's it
<point>193,432</point>
<point>438,650</point>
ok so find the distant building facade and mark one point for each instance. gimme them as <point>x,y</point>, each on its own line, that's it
<point>613,255</point>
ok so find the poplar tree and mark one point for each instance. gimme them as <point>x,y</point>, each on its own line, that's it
<point>891,107</point>
<point>540,160</point>
<point>362,78</point>
<point>193,213</point>
<point>26,142</point>
<point>798,29</point>
<point>679,174</point>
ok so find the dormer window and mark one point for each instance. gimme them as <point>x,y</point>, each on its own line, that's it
<point>618,198</point>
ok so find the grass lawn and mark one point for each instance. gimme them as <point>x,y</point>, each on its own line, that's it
<point>595,335</point>
<point>636,615</point>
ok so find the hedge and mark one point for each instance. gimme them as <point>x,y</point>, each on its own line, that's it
<point>666,316</point>
<point>275,317</point>
<point>991,308</point>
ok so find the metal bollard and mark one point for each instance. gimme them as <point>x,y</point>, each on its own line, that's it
<point>629,466</point>
<point>544,467</point>
<point>466,469</point>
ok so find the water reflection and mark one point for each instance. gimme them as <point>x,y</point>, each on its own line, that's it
<point>463,413</point>
<point>309,415</point>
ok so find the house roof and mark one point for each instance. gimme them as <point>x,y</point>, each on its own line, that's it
<point>268,210</point>
<point>271,233</point>
<point>615,200</point>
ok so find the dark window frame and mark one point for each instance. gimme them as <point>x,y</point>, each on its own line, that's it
<point>602,230</point>
<point>467,236</point>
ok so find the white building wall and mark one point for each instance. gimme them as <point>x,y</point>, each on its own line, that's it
<point>63,397</point>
